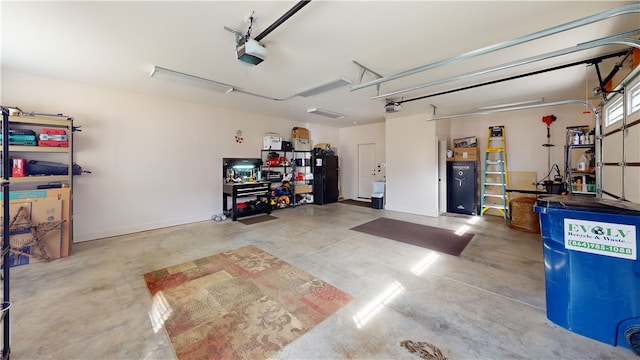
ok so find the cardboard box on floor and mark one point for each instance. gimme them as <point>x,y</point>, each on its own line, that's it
<point>34,212</point>
<point>62,194</point>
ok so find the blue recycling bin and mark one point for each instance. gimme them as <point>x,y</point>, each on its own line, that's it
<point>592,270</point>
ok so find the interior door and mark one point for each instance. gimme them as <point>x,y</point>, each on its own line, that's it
<point>366,170</point>
<point>442,175</point>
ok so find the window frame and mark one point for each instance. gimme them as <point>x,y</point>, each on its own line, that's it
<point>613,107</point>
<point>634,98</point>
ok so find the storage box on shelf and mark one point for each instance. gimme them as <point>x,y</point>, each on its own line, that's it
<point>465,154</point>
<point>301,144</point>
<point>299,133</point>
<point>465,149</point>
<point>272,141</point>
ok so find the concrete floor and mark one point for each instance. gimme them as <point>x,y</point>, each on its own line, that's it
<point>489,303</point>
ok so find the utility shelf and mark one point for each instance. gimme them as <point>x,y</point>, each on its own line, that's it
<point>40,149</point>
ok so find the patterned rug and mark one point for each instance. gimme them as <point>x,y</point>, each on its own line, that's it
<point>240,304</point>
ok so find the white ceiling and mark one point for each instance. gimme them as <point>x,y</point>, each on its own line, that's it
<point>115,44</point>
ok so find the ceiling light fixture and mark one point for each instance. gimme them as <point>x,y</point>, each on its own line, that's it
<point>327,113</point>
<point>167,74</point>
<point>342,81</point>
<point>517,103</point>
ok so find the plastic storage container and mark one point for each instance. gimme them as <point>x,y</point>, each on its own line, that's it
<point>592,271</point>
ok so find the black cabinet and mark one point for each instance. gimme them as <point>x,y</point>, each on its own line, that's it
<point>462,187</point>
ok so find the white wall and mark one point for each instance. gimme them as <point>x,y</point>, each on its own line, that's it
<point>350,138</point>
<point>156,162</point>
<point>526,133</point>
<point>412,165</point>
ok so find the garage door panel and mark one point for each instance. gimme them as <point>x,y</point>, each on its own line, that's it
<point>632,144</point>
<point>612,180</point>
<point>632,184</point>
<point>612,148</point>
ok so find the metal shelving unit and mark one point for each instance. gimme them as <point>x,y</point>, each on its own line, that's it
<point>32,120</point>
<point>6,244</point>
<point>301,163</point>
<point>587,177</point>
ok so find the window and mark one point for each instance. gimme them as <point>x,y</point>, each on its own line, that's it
<point>634,98</point>
<point>614,112</point>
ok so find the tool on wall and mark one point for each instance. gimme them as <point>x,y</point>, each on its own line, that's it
<point>495,177</point>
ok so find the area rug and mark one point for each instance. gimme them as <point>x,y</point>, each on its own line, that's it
<point>437,239</point>
<point>355,202</point>
<point>239,304</point>
<point>257,219</point>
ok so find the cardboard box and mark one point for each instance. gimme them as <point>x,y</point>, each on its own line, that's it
<point>62,194</point>
<point>272,142</point>
<point>301,144</point>
<point>465,154</point>
<point>470,141</point>
<point>304,188</point>
<point>299,133</point>
<point>34,212</point>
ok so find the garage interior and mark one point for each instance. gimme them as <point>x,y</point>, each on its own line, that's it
<point>402,84</point>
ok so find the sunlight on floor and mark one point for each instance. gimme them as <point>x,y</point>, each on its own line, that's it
<point>474,220</point>
<point>464,228</point>
<point>375,305</point>
<point>159,312</point>
<point>422,266</point>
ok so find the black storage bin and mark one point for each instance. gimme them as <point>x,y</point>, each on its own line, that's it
<point>377,202</point>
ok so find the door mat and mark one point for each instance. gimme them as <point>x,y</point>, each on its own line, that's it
<point>257,219</point>
<point>240,304</point>
<point>437,239</point>
<point>356,202</point>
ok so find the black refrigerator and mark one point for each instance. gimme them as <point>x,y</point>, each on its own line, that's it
<point>325,179</point>
<point>462,187</point>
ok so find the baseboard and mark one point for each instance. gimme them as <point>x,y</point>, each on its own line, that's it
<point>101,234</point>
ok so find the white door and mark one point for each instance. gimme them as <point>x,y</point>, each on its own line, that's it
<point>366,170</point>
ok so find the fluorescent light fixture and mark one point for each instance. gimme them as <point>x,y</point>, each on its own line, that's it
<point>167,74</point>
<point>327,113</point>
<point>342,81</point>
<point>517,103</point>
